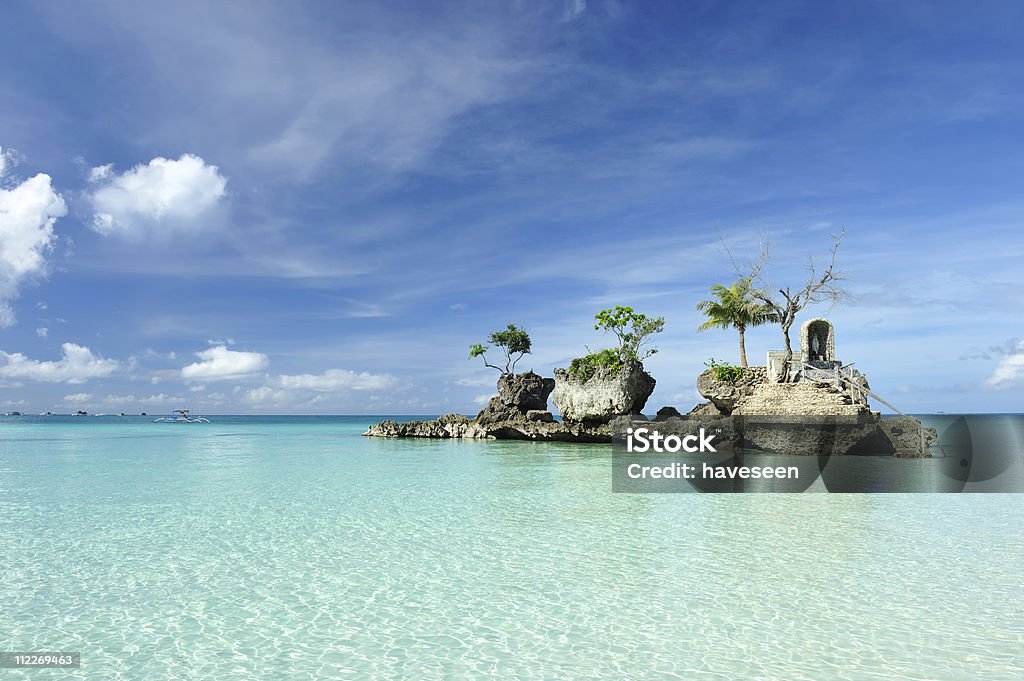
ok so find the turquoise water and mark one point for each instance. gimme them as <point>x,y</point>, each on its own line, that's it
<point>295,549</point>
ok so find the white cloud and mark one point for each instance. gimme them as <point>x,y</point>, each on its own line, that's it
<point>28,211</point>
<point>162,399</point>
<point>482,399</point>
<point>78,398</point>
<point>42,331</point>
<point>219,364</point>
<point>118,399</point>
<point>337,379</point>
<point>77,365</point>
<point>164,195</point>
<point>266,394</point>
<point>1009,370</point>
<point>100,173</point>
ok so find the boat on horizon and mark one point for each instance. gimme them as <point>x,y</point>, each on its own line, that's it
<point>181,416</point>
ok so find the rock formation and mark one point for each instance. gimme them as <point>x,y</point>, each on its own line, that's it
<point>822,410</point>
<point>447,426</point>
<point>666,413</point>
<point>604,396</point>
<point>517,397</point>
<point>518,412</point>
<point>813,417</point>
<point>725,394</point>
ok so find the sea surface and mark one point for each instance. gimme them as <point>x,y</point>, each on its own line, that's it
<point>293,548</point>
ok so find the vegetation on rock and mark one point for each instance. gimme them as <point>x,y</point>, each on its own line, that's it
<point>632,329</point>
<point>736,307</point>
<point>726,373</point>
<point>584,368</point>
<point>514,342</point>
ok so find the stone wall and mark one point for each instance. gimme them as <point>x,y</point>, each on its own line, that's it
<point>804,399</point>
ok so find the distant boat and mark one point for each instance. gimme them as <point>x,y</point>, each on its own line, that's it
<point>80,413</point>
<point>181,416</point>
<point>14,413</point>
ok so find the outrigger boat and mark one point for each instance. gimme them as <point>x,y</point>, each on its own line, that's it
<point>181,416</point>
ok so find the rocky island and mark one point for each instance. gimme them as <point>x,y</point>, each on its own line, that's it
<point>811,404</point>
<point>520,410</point>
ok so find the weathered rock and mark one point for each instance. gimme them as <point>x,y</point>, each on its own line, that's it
<point>604,395</point>
<point>666,413</point>
<point>858,388</point>
<point>909,437</point>
<point>517,395</point>
<point>448,426</point>
<point>550,431</point>
<point>814,435</point>
<point>457,426</point>
<point>725,394</point>
<point>706,409</point>
<point>519,412</point>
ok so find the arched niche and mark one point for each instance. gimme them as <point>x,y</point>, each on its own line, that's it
<point>817,341</point>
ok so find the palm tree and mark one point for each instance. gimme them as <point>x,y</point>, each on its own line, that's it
<point>737,308</point>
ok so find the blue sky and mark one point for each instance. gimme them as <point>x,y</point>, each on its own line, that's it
<point>318,207</point>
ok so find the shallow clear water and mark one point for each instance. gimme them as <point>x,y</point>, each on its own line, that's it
<point>294,548</point>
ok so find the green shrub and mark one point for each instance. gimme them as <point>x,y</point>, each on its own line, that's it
<point>633,330</point>
<point>583,368</point>
<point>727,373</point>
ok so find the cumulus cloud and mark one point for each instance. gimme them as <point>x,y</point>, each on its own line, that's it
<point>28,211</point>
<point>78,398</point>
<point>42,331</point>
<point>336,379</point>
<point>220,364</point>
<point>1009,370</point>
<point>173,196</point>
<point>77,365</point>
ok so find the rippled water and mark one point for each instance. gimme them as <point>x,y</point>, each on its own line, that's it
<point>297,549</point>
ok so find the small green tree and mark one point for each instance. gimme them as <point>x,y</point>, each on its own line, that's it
<point>736,307</point>
<point>513,342</point>
<point>632,329</point>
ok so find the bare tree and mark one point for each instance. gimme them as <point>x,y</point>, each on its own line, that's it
<point>819,287</point>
